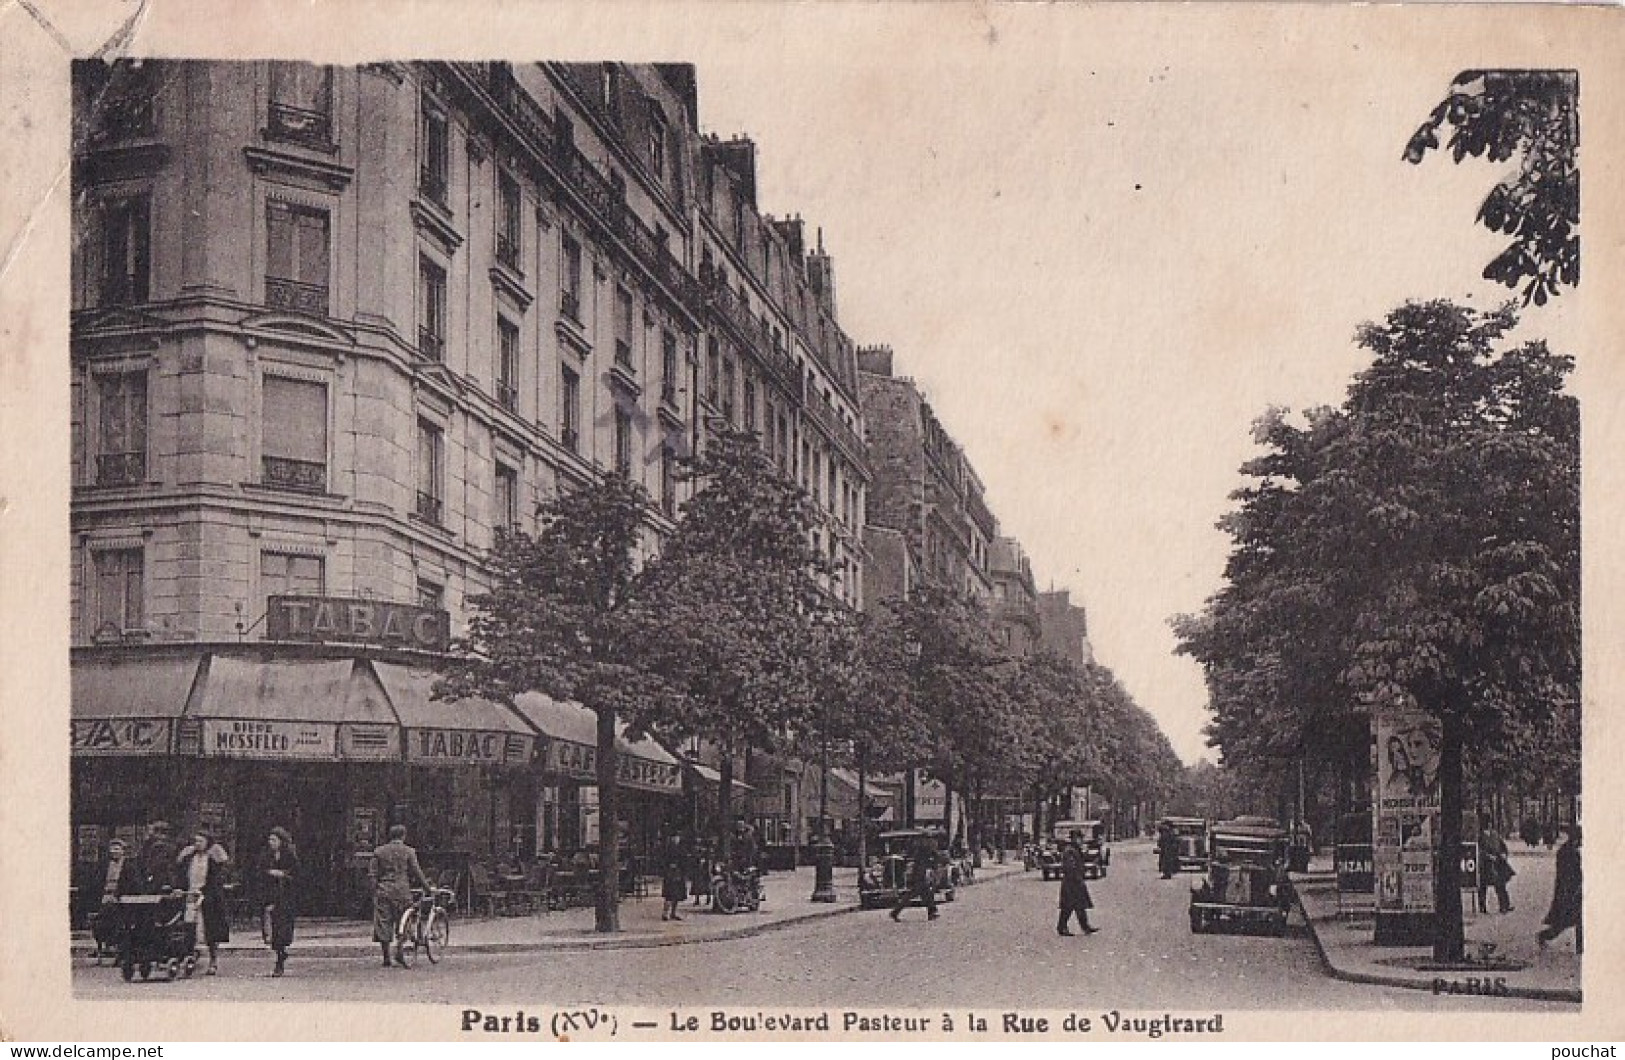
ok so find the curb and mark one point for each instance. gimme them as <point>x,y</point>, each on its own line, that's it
<point>359,949</point>
<point>1529,993</point>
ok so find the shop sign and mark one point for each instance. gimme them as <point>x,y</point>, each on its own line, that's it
<point>580,762</point>
<point>1353,865</point>
<point>120,736</point>
<point>268,739</point>
<point>370,743</point>
<point>470,746</point>
<point>351,620</point>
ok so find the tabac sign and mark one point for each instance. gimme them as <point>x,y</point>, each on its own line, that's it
<point>120,736</point>
<point>350,620</point>
<point>468,746</point>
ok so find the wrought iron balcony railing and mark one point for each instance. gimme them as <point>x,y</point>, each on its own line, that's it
<point>282,293</point>
<point>508,396</point>
<point>570,305</point>
<point>287,473</point>
<point>312,128</point>
<point>508,252</point>
<point>431,346</point>
<point>121,469</point>
<point>430,508</point>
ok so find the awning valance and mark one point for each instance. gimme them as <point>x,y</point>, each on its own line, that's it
<point>451,732</point>
<point>572,747</point>
<point>128,706</point>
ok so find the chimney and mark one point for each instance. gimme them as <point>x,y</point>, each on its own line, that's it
<point>789,230</point>
<point>876,360</point>
<point>738,156</point>
<point>821,278</point>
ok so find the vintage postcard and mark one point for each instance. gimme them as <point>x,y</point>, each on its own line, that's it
<point>875,522</point>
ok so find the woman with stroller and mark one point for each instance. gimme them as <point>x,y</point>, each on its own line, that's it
<point>279,874</point>
<point>202,872</point>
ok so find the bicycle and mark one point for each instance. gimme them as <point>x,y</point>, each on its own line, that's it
<point>425,924</point>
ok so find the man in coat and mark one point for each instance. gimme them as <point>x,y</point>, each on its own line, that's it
<point>1566,902</point>
<point>925,855</point>
<point>1494,869</point>
<point>154,864</point>
<point>1167,850</point>
<point>1074,887</point>
<point>394,869</point>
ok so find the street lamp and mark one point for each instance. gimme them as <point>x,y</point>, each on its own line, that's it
<point>823,847</point>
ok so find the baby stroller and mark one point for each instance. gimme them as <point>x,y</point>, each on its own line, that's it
<point>153,931</point>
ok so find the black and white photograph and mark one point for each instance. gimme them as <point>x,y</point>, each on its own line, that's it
<point>868,522</point>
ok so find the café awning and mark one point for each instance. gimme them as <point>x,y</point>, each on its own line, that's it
<point>572,747</point>
<point>277,708</point>
<point>453,732</point>
<point>714,777</point>
<point>128,706</point>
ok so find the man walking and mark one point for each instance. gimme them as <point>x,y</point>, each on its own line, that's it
<point>394,869</point>
<point>1494,868</point>
<point>1074,887</point>
<point>921,877</point>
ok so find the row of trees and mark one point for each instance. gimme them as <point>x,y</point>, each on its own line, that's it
<point>726,633</point>
<point>1418,546</point>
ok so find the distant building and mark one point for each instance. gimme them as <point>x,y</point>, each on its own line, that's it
<point>1015,598</point>
<point>1065,627</point>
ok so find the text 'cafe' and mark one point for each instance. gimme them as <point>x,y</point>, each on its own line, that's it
<point>330,729</point>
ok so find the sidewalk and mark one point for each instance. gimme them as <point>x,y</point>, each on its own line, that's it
<point>1348,952</point>
<point>788,902</point>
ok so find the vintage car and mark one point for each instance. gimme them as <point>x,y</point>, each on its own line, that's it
<point>1192,836</point>
<point>1096,854</point>
<point>885,878</point>
<point>1246,886</point>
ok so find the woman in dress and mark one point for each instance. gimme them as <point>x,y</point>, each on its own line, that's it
<point>673,878</point>
<point>279,874</point>
<point>203,874</point>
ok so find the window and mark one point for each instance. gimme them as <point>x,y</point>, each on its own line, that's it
<point>570,410</point>
<point>293,447</point>
<point>668,480</point>
<point>831,492</point>
<point>508,364</point>
<point>668,368</point>
<point>301,107</point>
<point>126,251</point>
<point>121,443</point>
<point>657,147</point>
<point>118,590</point>
<point>282,574</point>
<point>750,405</point>
<point>431,595</point>
<point>623,443</point>
<point>434,158</point>
<point>507,497</point>
<point>431,472</point>
<point>120,97</point>
<point>713,370</point>
<point>623,327</point>
<point>431,310</point>
<point>769,417</point>
<point>508,225</point>
<point>728,389</point>
<point>570,293</point>
<point>816,476</point>
<point>296,261</point>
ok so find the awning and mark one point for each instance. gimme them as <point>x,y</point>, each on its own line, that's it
<point>453,732</point>
<point>714,777</point>
<point>277,709</point>
<point>872,790</point>
<point>128,706</point>
<point>572,747</point>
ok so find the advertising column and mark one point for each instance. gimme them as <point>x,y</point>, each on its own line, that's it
<point>1406,833</point>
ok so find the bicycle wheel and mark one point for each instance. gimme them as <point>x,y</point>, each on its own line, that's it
<point>406,938</point>
<point>724,898</point>
<point>436,934</point>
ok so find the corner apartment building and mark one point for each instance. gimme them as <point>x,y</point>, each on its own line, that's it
<point>332,327</point>
<point>1015,597</point>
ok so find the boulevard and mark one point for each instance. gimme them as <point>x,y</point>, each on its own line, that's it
<point>995,947</point>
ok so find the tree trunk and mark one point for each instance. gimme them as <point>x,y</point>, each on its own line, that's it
<point>725,786</point>
<point>863,810</point>
<point>1448,940</point>
<point>606,912</point>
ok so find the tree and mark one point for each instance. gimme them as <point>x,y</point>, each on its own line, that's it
<point>1423,539</point>
<point>736,601</point>
<point>1533,114</point>
<point>563,618</point>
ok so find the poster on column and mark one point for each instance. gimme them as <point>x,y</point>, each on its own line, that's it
<point>1407,809</point>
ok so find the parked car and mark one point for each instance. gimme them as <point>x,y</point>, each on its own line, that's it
<point>886,876</point>
<point>1049,859</point>
<point>1192,835</point>
<point>1096,854</point>
<point>1245,886</point>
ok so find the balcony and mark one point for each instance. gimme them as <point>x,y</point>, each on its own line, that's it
<point>309,128</point>
<point>508,396</point>
<point>753,333</point>
<point>307,476</point>
<point>121,469</point>
<point>282,293</point>
<point>508,252</point>
<point>431,345</point>
<point>432,186</point>
<point>430,509</point>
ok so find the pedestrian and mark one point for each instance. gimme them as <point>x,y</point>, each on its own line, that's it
<point>925,856</point>
<point>1074,887</point>
<point>1494,868</point>
<point>1565,910</point>
<point>279,893</point>
<point>112,879</point>
<point>699,871</point>
<point>394,869</point>
<point>1167,850</point>
<point>203,873</point>
<point>674,878</point>
<point>155,863</point>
